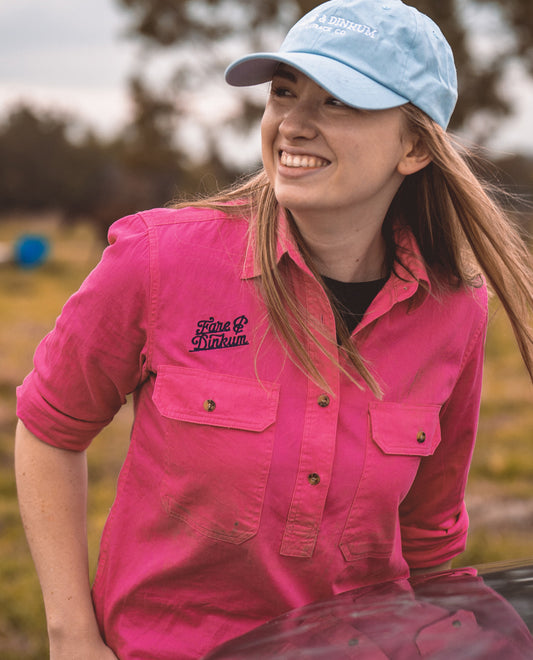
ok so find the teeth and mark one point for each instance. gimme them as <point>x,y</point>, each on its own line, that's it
<point>290,160</point>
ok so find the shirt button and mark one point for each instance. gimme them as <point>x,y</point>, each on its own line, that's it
<point>421,437</point>
<point>323,401</point>
<point>209,405</point>
<point>313,478</point>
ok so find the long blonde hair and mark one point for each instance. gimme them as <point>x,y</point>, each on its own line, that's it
<point>458,224</point>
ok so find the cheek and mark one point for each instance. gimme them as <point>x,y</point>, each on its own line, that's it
<point>381,157</point>
<point>268,133</point>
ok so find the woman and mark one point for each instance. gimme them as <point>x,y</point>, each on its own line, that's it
<point>305,354</point>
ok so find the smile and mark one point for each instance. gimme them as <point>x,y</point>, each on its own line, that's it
<point>291,160</point>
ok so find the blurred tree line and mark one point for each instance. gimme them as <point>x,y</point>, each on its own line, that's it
<point>50,162</point>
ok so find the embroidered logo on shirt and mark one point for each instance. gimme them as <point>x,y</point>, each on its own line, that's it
<point>211,334</point>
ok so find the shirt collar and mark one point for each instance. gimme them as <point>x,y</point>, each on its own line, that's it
<point>410,274</point>
<point>286,244</point>
<point>409,270</point>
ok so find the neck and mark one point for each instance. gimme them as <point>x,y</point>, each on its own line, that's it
<point>348,252</point>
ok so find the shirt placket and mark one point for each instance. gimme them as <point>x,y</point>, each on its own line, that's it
<point>318,438</point>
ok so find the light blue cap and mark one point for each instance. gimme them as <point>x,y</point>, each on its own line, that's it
<point>370,54</point>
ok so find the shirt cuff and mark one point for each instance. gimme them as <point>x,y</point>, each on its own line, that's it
<point>427,547</point>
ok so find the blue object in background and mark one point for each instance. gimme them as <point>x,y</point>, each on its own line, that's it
<point>31,251</point>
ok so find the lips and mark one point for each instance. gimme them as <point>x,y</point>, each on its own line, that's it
<point>305,161</point>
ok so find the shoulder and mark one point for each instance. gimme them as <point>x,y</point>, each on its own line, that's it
<point>476,308</point>
<point>461,311</point>
<point>471,298</point>
<point>186,242</point>
<point>189,215</point>
<point>160,230</point>
<point>169,225</point>
<point>171,216</point>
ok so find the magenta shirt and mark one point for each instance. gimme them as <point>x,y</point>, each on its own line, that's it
<point>247,489</point>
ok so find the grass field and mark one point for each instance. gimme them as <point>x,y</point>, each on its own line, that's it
<point>500,492</point>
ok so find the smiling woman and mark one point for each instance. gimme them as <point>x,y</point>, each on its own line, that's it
<point>305,354</point>
<point>327,160</point>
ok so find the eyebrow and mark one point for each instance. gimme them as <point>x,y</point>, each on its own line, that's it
<point>283,72</point>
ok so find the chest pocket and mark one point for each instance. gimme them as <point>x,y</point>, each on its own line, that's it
<point>399,437</point>
<point>219,440</point>
<point>403,430</point>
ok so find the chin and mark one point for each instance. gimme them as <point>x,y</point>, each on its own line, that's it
<point>295,203</point>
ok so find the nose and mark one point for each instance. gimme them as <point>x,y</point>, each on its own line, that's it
<point>299,121</point>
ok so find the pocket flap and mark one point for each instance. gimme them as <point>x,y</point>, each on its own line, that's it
<point>403,429</point>
<point>205,397</point>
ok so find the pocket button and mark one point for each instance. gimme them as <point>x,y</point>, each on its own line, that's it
<point>209,405</point>
<point>421,437</point>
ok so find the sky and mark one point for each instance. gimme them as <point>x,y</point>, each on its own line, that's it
<point>72,55</point>
<point>75,56</point>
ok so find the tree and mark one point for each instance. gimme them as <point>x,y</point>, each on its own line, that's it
<point>42,167</point>
<point>50,162</point>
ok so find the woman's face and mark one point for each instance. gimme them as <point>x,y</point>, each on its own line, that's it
<point>323,157</point>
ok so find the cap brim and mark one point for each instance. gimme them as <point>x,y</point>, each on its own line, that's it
<point>344,83</point>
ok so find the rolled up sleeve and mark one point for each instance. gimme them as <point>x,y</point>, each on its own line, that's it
<point>433,516</point>
<point>97,352</point>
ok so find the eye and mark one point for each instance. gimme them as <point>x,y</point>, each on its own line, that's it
<point>331,100</point>
<point>280,91</point>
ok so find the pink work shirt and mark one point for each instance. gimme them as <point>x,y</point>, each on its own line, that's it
<point>248,490</point>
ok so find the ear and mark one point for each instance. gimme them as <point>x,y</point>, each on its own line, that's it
<point>415,158</point>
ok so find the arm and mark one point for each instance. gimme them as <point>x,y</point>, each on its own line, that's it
<point>433,514</point>
<point>83,370</point>
<point>52,490</point>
